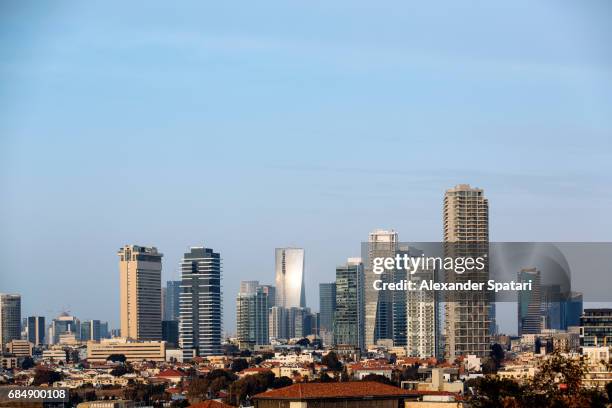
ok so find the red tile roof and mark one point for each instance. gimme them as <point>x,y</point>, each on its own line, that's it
<point>170,373</point>
<point>210,404</point>
<point>356,389</point>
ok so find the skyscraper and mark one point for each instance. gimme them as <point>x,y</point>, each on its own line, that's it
<point>289,267</point>
<point>466,234</point>
<point>249,287</point>
<point>64,325</point>
<point>35,328</point>
<point>170,332</point>
<point>529,303</point>
<point>422,325</point>
<point>252,317</point>
<point>379,303</point>
<point>10,318</point>
<point>171,303</point>
<point>278,323</point>
<point>327,306</point>
<point>200,302</point>
<point>90,330</point>
<point>140,281</point>
<point>349,316</point>
<point>271,292</point>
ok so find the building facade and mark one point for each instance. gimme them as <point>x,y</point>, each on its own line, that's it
<point>289,272</point>
<point>596,328</point>
<point>171,300</point>
<point>140,292</point>
<point>200,302</point>
<point>327,306</point>
<point>466,234</point>
<point>529,303</point>
<point>277,323</point>
<point>252,317</point>
<point>379,303</point>
<point>170,332</point>
<point>10,318</point>
<point>35,329</point>
<point>98,352</point>
<point>90,330</point>
<point>349,315</point>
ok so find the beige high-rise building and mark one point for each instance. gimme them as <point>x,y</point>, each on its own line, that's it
<point>140,275</point>
<point>466,234</point>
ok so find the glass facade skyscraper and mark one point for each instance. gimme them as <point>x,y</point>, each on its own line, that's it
<point>252,318</point>
<point>529,303</point>
<point>171,301</point>
<point>349,316</point>
<point>289,270</point>
<point>200,302</point>
<point>327,306</point>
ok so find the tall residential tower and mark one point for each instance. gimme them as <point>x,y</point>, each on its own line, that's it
<point>200,303</point>
<point>140,280</point>
<point>466,234</point>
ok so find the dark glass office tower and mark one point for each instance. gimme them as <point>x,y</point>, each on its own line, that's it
<point>327,306</point>
<point>171,301</point>
<point>200,302</point>
<point>349,316</point>
<point>170,332</point>
<point>36,329</point>
<point>90,330</point>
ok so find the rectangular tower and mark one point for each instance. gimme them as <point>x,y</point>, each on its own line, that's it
<point>36,330</point>
<point>200,302</point>
<point>327,306</point>
<point>349,316</point>
<point>466,234</point>
<point>529,303</point>
<point>10,318</point>
<point>379,303</point>
<point>289,268</point>
<point>171,305</point>
<point>140,280</point>
<point>252,318</point>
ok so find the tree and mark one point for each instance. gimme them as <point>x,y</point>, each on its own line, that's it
<point>557,384</point>
<point>609,390</point>
<point>46,376</point>
<point>304,342</point>
<point>119,371</point>
<point>325,378</point>
<point>411,373</point>
<point>239,364</point>
<point>281,382</point>
<point>249,386</point>
<point>331,361</point>
<point>491,392</point>
<point>116,358</point>
<point>27,363</point>
<point>497,355</point>
<point>378,378</point>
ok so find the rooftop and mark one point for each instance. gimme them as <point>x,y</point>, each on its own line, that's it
<point>357,389</point>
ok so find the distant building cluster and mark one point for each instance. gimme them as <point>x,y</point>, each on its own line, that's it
<point>375,333</point>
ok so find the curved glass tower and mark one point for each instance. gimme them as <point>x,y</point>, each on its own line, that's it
<point>289,266</point>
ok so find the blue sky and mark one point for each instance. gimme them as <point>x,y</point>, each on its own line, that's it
<point>245,126</point>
